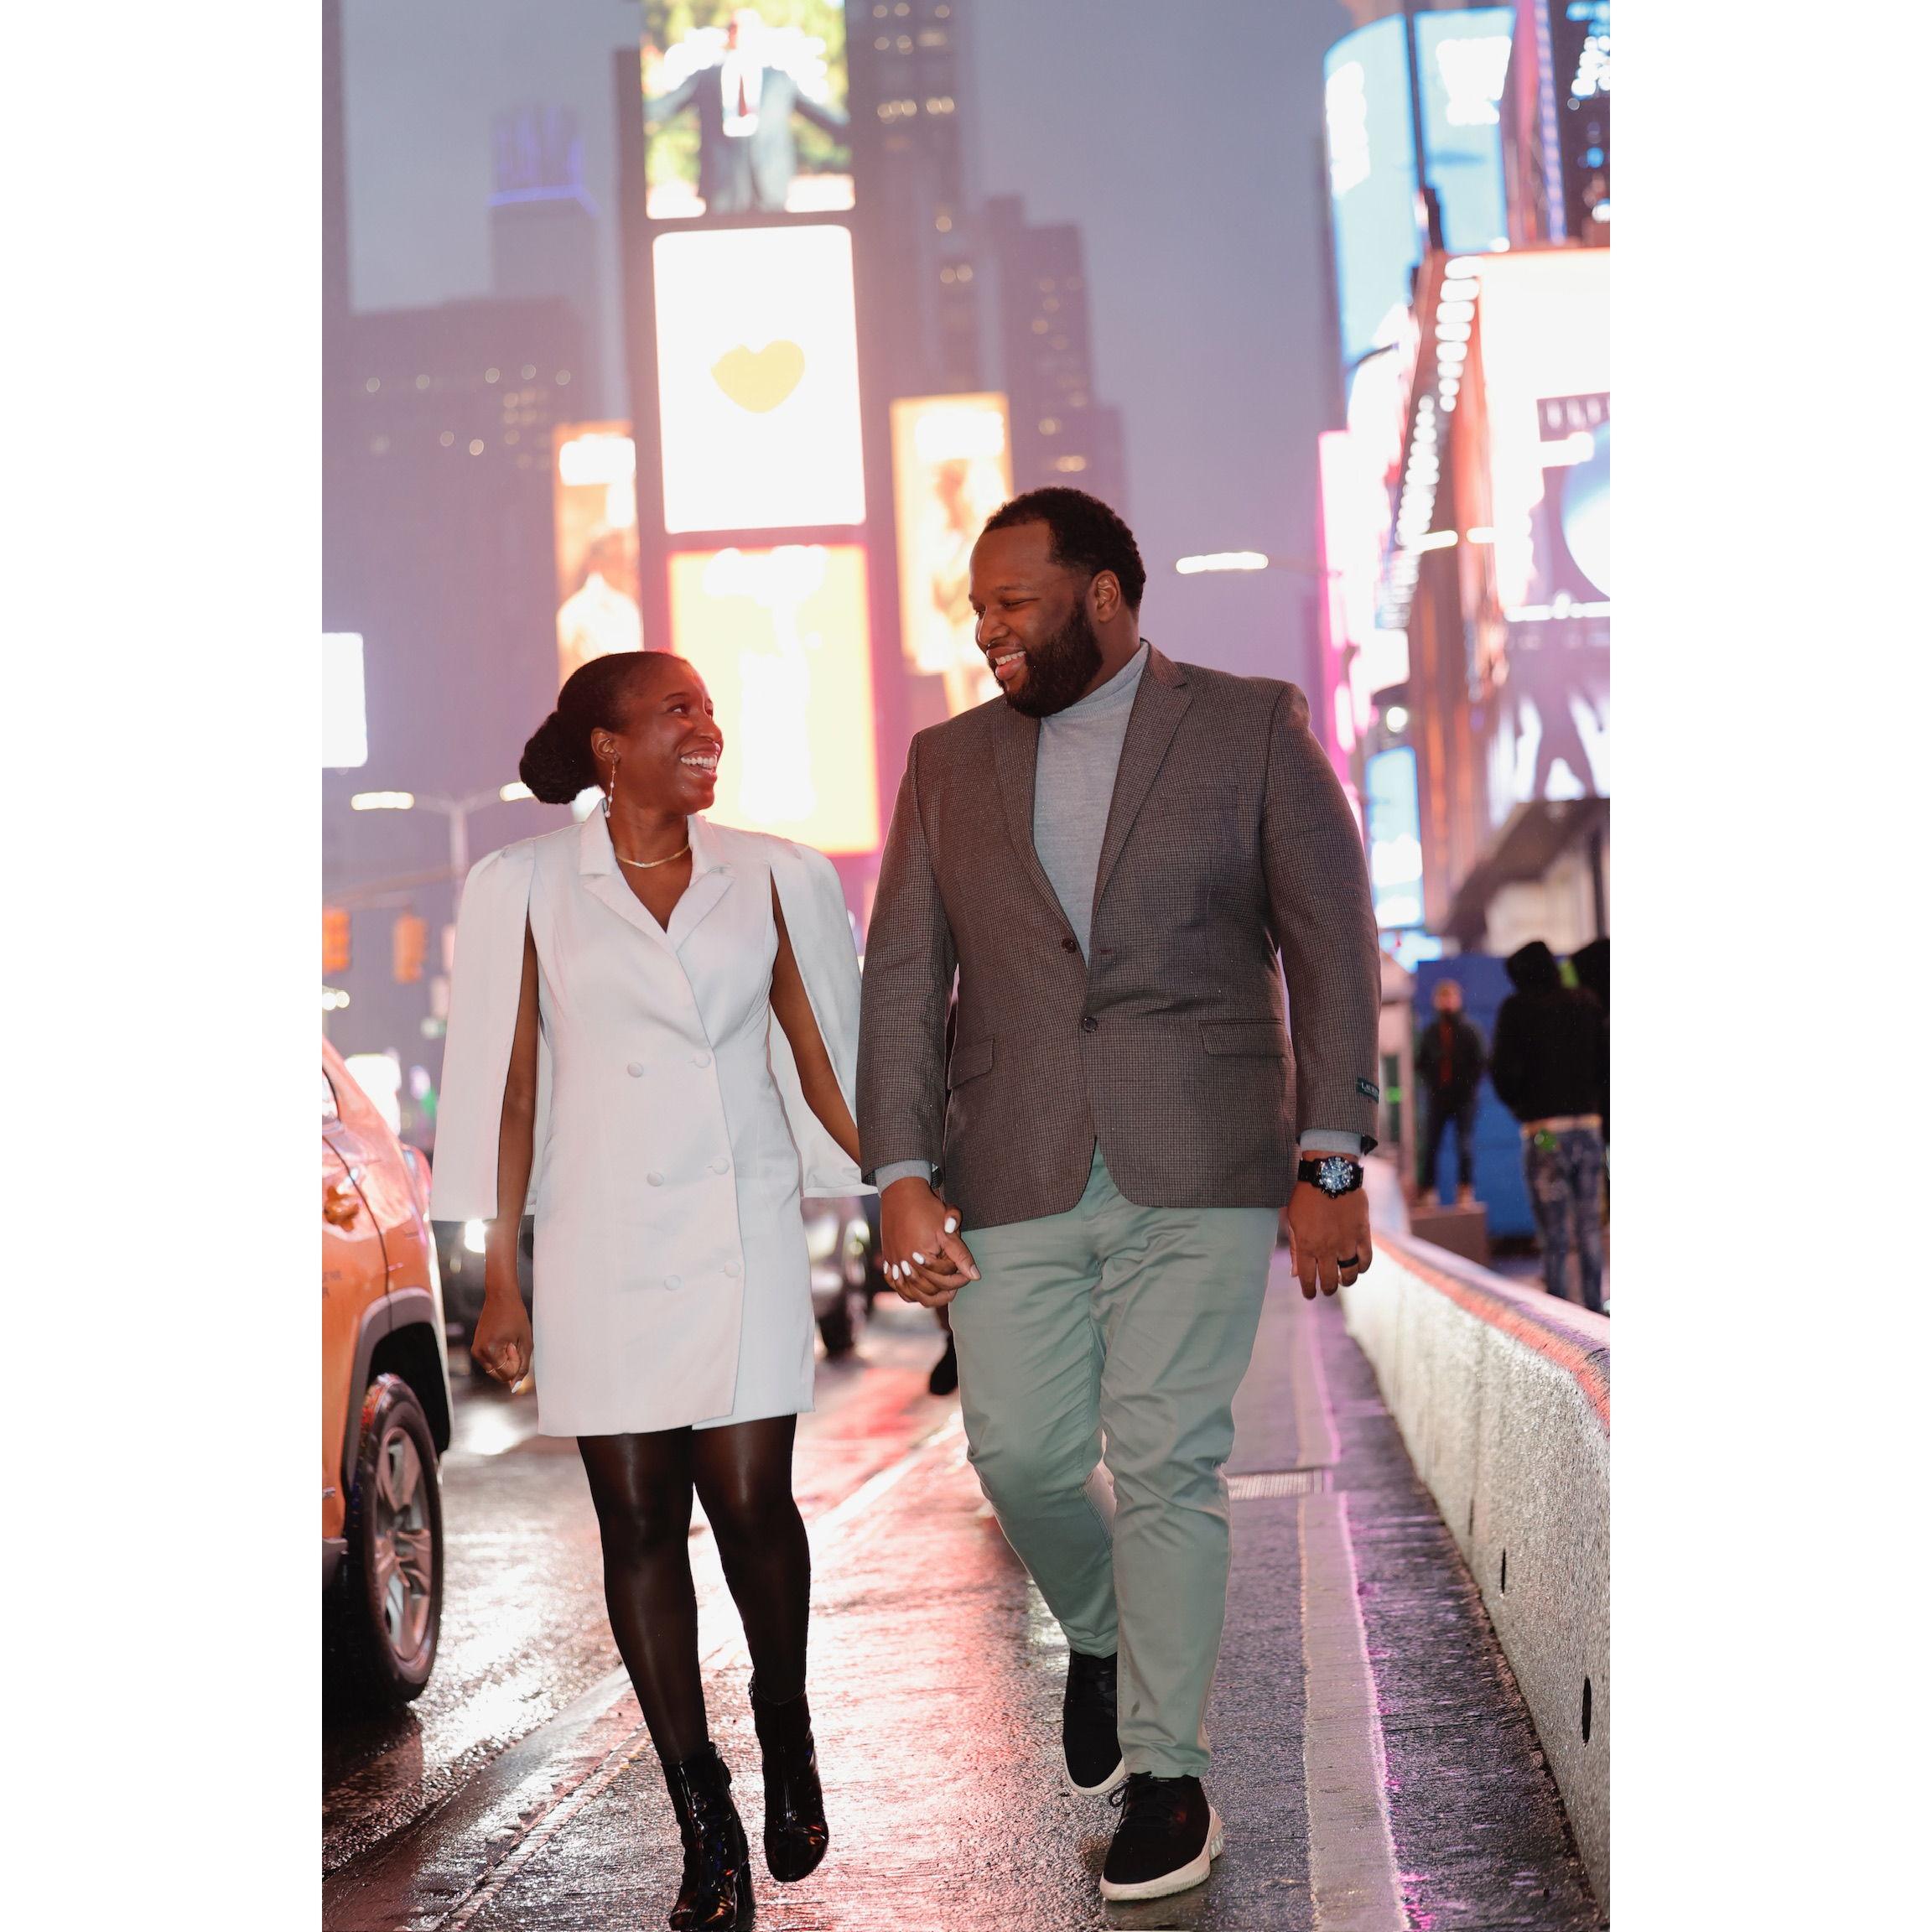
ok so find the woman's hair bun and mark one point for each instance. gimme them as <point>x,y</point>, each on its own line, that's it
<point>557,764</point>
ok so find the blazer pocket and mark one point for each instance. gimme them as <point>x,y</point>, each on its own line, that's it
<point>970,1059</point>
<point>1263,1039</point>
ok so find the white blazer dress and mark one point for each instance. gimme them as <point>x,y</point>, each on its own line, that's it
<point>672,1140</point>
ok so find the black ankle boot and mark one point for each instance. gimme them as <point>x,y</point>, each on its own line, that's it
<point>796,1834</point>
<point>716,1894</point>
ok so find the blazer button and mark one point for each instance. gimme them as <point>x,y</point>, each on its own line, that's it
<point>655,1179</point>
<point>720,1166</point>
<point>733,1271</point>
<point>673,1280</point>
<point>636,1069</point>
<point>700,1059</point>
<point>1068,944</point>
<point>1089,1023</point>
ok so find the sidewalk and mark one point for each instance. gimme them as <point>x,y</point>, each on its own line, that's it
<point>1373,1764</point>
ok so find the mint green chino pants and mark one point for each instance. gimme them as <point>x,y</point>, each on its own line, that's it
<point>1118,1333</point>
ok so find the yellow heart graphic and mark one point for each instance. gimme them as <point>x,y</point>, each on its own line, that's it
<point>760,380</point>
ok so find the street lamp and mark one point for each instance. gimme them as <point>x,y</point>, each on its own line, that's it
<point>457,811</point>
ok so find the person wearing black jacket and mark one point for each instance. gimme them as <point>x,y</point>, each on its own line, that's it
<point>1550,1063</point>
<point>1449,1061</point>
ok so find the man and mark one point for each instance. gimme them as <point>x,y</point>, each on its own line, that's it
<point>1550,1068</point>
<point>1118,856</point>
<point>1449,1064</point>
<point>747,154</point>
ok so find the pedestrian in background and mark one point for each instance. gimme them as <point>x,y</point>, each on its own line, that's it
<point>1550,1064</point>
<point>1449,1062</point>
<point>635,1046</point>
<point>1592,965</point>
<point>1121,857</point>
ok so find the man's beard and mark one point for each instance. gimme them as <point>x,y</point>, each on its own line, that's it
<point>1058,671</point>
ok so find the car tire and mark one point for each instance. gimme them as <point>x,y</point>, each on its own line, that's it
<point>382,1625</point>
<point>835,1327</point>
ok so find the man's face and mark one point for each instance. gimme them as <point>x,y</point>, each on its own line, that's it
<point>1448,996</point>
<point>1033,621</point>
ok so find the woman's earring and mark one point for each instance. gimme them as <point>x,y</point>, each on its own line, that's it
<point>610,790</point>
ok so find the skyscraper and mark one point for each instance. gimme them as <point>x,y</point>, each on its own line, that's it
<point>543,237</point>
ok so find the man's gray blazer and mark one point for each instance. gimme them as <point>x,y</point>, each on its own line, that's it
<point>1230,846</point>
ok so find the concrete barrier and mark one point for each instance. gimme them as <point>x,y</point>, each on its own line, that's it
<point>1502,1394</point>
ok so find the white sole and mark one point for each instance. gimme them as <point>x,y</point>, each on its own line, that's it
<point>1113,1781</point>
<point>1185,1878</point>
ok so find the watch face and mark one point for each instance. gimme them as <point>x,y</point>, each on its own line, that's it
<point>1335,1175</point>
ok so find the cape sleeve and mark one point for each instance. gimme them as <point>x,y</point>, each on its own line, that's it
<point>487,976</point>
<point>821,933</point>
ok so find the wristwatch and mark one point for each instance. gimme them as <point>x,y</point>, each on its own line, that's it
<point>1334,1174</point>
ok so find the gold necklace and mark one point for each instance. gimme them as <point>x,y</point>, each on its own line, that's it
<point>645,864</point>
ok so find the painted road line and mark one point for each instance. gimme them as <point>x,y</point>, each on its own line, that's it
<point>1317,1446</point>
<point>833,1527</point>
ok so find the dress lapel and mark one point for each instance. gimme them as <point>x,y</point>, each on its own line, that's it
<point>1159,706</point>
<point>1016,755</point>
<point>710,881</point>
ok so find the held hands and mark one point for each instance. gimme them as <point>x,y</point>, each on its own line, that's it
<point>1328,1239</point>
<point>920,1247</point>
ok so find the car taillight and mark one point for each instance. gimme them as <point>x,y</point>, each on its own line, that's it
<point>417,1163</point>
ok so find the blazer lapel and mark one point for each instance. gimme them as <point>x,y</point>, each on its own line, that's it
<point>597,862</point>
<point>710,881</point>
<point>1016,755</point>
<point>1159,706</point>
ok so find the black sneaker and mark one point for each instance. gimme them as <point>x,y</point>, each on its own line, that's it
<point>1090,1724</point>
<point>1168,1837</point>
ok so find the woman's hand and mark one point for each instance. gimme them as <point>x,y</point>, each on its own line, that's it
<point>919,1243</point>
<point>503,1343</point>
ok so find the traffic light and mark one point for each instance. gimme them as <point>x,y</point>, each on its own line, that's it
<point>334,940</point>
<point>411,940</point>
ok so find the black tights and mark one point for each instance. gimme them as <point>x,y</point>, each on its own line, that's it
<point>641,1486</point>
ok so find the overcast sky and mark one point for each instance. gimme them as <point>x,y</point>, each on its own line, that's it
<point>1182,138</point>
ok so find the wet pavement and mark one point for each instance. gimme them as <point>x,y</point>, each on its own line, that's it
<point>1373,1762</point>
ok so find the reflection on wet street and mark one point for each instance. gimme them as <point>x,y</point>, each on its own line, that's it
<point>522,1791</point>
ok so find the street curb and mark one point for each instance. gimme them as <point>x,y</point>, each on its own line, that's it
<point>1501,1395</point>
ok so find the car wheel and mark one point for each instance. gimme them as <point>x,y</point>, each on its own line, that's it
<point>835,1327</point>
<point>384,1623</point>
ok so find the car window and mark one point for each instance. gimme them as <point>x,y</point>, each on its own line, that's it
<point>331,1111</point>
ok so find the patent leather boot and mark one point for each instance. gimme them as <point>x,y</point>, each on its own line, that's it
<point>796,1834</point>
<point>716,1894</point>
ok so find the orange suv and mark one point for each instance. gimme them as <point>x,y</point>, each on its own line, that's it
<point>386,1405</point>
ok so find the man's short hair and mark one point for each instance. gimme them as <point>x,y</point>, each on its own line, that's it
<point>1087,535</point>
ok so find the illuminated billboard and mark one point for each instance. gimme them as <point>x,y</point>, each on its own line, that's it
<point>595,512</point>
<point>745,108</point>
<point>781,638</point>
<point>1544,342</point>
<point>1394,828</point>
<point>952,468</point>
<point>345,716</point>
<point>1462,59</point>
<point>758,379</point>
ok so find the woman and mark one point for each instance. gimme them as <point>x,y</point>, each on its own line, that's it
<point>626,1079</point>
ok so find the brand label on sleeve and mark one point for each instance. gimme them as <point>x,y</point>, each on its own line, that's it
<point>1367,1089</point>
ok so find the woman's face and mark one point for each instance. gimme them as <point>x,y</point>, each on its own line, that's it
<point>667,756</point>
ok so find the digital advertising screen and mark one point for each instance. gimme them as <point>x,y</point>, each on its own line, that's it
<point>780,636</point>
<point>1544,345</point>
<point>1462,59</point>
<point>595,512</point>
<point>952,468</point>
<point>746,109</point>
<point>1372,182</point>
<point>345,716</point>
<point>758,379</point>
<point>1394,827</point>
